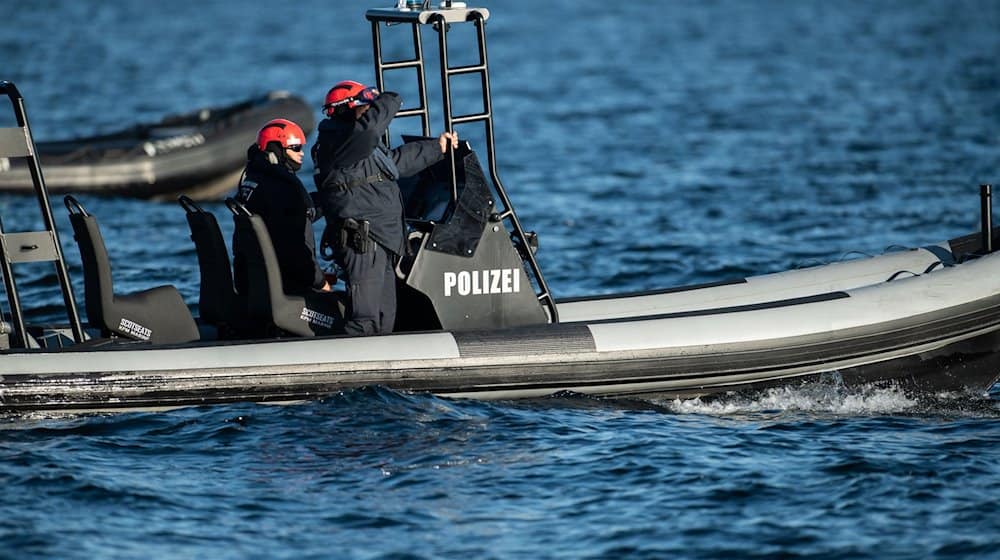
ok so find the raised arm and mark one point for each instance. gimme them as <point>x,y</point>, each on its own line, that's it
<point>414,157</point>
<point>368,129</point>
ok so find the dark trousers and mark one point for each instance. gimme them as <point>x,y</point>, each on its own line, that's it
<point>371,290</point>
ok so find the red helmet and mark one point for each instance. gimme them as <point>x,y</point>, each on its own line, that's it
<point>283,131</point>
<point>345,92</point>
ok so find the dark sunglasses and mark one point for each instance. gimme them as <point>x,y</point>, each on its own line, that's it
<point>294,148</point>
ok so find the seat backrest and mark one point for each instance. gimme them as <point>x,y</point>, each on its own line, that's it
<point>158,315</point>
<point>257,266</point>
<point>267,302</point>
<point>258,275</point>
<point>275,287</point>
<point>217,299</point>
<point>250,270</point>
<point>98,289</point>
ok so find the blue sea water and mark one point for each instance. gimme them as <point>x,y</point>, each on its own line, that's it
<point>651,144</point>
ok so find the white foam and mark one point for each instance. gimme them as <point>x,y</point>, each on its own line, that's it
<point>818,398</point>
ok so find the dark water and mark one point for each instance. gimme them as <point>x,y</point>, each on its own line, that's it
<point>651,144</point>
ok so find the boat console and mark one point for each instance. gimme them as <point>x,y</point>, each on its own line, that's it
<point>474,265</point>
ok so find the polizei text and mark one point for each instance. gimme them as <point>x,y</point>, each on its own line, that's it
<point>482,282</point>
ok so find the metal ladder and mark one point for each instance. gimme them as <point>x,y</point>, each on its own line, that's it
<point>31,246</point>
<point>440,20</point>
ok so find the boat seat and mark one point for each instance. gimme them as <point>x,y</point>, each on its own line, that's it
<point>158,315</point>
<point>218,302</point>
<point>309,314</point>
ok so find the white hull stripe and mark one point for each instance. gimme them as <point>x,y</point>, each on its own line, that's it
<point>429,346</point>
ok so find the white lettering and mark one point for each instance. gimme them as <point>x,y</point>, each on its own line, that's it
<point>476,288</point>
<point>316,318</point>
<point>134,329</point>
<point>157,147</point>
<point>482,282</point>
<point>450,281</point>
<point>495,285</point>
<point>464,281</point>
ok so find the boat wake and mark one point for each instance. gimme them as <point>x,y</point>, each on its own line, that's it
<point>837,400</point>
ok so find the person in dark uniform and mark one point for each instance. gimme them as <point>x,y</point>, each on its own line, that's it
<point>356,177</point>
<point>270,189</point>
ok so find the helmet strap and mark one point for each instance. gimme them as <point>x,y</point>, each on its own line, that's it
<point>343,111</point>
<point>276,156</point>
<point>275,153</point>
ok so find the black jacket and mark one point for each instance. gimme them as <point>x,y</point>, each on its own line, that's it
<point>356,174</point>
<point>274,193</point>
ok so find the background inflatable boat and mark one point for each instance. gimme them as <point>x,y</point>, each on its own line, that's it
<point>200,154</point>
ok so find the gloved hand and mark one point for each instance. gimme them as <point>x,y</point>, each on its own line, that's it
<point>368,95</point>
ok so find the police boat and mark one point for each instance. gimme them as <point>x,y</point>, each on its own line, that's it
<point>199,154</point>
<point>476,317</point>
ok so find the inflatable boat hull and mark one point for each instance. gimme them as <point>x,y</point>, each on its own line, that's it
<point>933,331</point>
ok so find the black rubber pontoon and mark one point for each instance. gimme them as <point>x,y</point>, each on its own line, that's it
<point>199,154</point>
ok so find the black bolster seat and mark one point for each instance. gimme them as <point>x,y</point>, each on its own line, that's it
<point>218,302</point>
<point>308,314</point>
<point>158,315</point>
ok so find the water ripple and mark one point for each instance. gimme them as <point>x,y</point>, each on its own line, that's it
<point>650,146</point>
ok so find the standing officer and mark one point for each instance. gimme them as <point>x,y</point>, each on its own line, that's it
<point>270,189</point>
<point>356,176</point>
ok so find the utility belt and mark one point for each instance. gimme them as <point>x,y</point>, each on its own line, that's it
<point>371,179</point>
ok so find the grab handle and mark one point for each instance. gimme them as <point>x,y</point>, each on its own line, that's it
<point>188,205</point>
<point>236,208</point>
<point>10,90</point>
<point>74,206</point>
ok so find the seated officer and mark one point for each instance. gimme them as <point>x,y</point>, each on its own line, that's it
<point>270,189</point>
